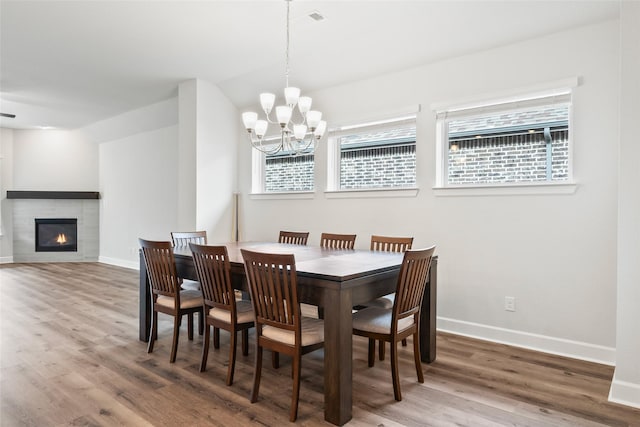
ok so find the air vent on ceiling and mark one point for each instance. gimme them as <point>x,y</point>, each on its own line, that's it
<point>11,116</point>
<point>316,16</point>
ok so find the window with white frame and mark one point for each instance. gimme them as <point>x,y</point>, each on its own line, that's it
<point>282,172</point>
<point>519,141</point>
<point>374,155</point>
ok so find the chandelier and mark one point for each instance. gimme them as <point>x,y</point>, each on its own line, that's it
<point>298,132</point>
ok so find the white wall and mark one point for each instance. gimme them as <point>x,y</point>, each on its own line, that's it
<point>54,160</point>
<point>138,179</point>
<point>6,183</point>
<point>217,130</point>
<point>156,160</point>
<point>554,253</point>
<point>625,387</point>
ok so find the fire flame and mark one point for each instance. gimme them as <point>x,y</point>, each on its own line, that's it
<point>62,239</point>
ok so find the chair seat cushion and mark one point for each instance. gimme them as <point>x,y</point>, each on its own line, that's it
<point>244,311</point>
<point>312,332</point>
<point>378,320</point>
<point>190,284</point>
<point>383,302</point>
<point>188,299</point>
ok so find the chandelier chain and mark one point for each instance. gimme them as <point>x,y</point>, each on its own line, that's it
<point>286,71</point>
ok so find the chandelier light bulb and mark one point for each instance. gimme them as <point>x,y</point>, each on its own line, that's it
<point>266,101</point>
<point>249,119</point>
<point>313,118</point>
<point>304,104</point>
<point>299,131</point>
<point>320,129</point>
<point>283,113</point>
<point>261,128</point>
<point>291,95</point>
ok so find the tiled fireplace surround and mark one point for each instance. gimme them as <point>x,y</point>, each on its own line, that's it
<point>25,210</point>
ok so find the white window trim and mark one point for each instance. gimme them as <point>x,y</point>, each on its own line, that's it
<point>547,90</point>
<point>333,190</point>
<point>372,193</point>
<point>258,177</point>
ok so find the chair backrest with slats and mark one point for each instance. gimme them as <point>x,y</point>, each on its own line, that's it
<point>273,290</point>
<point>412,281</point>
<point>391,244</point>
<point>337,241</point>
<point>181,239</point>
<point>213,270</point>
<point>161,268</point>
<point>293,237</point>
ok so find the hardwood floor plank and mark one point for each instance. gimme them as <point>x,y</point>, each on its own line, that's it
<point>70,355</point>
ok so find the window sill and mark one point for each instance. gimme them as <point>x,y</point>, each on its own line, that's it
<point>371,193</point>
<point>283,195</point>
<point>506,190</point>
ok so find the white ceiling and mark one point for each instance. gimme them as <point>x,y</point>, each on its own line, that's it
<point>70,64</point>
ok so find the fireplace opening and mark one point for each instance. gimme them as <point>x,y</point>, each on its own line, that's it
<point>56,234</point>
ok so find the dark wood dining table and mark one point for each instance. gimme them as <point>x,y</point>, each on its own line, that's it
<point>335,280</point>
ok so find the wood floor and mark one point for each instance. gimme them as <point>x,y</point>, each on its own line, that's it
<point>70,355</point>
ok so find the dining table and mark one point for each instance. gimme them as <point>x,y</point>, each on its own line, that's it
<point>335,280</point>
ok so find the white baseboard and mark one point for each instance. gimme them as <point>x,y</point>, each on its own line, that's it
<point>624,392</point>
<point>119,262</point>
<point>546,344</point>
<point>6,260</point>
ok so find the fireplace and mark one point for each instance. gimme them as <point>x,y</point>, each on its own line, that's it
<point>56,234</point>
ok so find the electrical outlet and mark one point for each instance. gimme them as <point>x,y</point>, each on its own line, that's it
<point>510,303</point>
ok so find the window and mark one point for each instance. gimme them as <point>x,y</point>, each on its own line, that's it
<point>282,172</point>
<point>376,155</point>
<point>522,141</point>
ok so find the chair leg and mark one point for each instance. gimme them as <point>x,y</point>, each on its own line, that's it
<point>176,335</point>
<point>295,396</point>
<point>275,359</point>
<point>381,349</point>
<point>205,349</point>
<point>394,371</point>
<point>201,322</point>
<point>232,355</point>
<point>216,338</point>
<point>190,326</point>
<point>372,352</point>
<point>416,356</point>
<point>256,374</point>
<point>245,342</point>
<point>153,334</point>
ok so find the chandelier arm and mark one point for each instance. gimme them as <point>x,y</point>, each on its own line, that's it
<point>258,145</point>
<point>306,146</point>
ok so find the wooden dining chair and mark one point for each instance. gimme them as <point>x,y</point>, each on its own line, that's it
<point>403,320</point>
<point>279,324</point>
<point>221,309</point>
<point>388,244</point>
<point>166,294</point>
<point>337,241</point>
<point>293,237</point>
<point>181,240</point>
